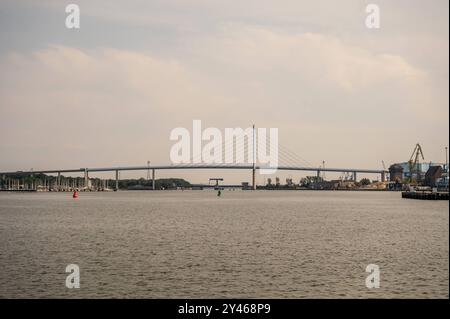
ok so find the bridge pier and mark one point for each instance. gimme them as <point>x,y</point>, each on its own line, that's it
<point>354,176</point>
<point>254,178</point>
<point>117,180</point>
<point>153,179</point>
<point>58,182</point>
<point>383,177</point>
<point>86,179</point>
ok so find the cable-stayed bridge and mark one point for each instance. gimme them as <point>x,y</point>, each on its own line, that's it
<point>247,147</point>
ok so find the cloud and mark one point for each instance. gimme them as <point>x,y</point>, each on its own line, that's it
<point>320,59</point>
<point>110,101</point>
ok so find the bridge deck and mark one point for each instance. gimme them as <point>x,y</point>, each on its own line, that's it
<point>181,167</point>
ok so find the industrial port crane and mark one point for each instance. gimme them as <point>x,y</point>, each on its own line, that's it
<point>414,160</point>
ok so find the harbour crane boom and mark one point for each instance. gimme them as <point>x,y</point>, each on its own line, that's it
<point>414,160</point>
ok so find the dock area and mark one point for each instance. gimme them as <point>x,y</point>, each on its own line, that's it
<point>426,195</point>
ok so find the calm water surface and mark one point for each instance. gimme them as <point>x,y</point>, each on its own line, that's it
<point>192,244</point>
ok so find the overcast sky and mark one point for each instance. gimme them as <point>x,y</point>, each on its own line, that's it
<point>110,92</point>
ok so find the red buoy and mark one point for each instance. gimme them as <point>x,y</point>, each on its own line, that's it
<point>75,194</point>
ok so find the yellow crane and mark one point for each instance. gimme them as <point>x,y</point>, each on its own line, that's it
<point>414,161</point>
